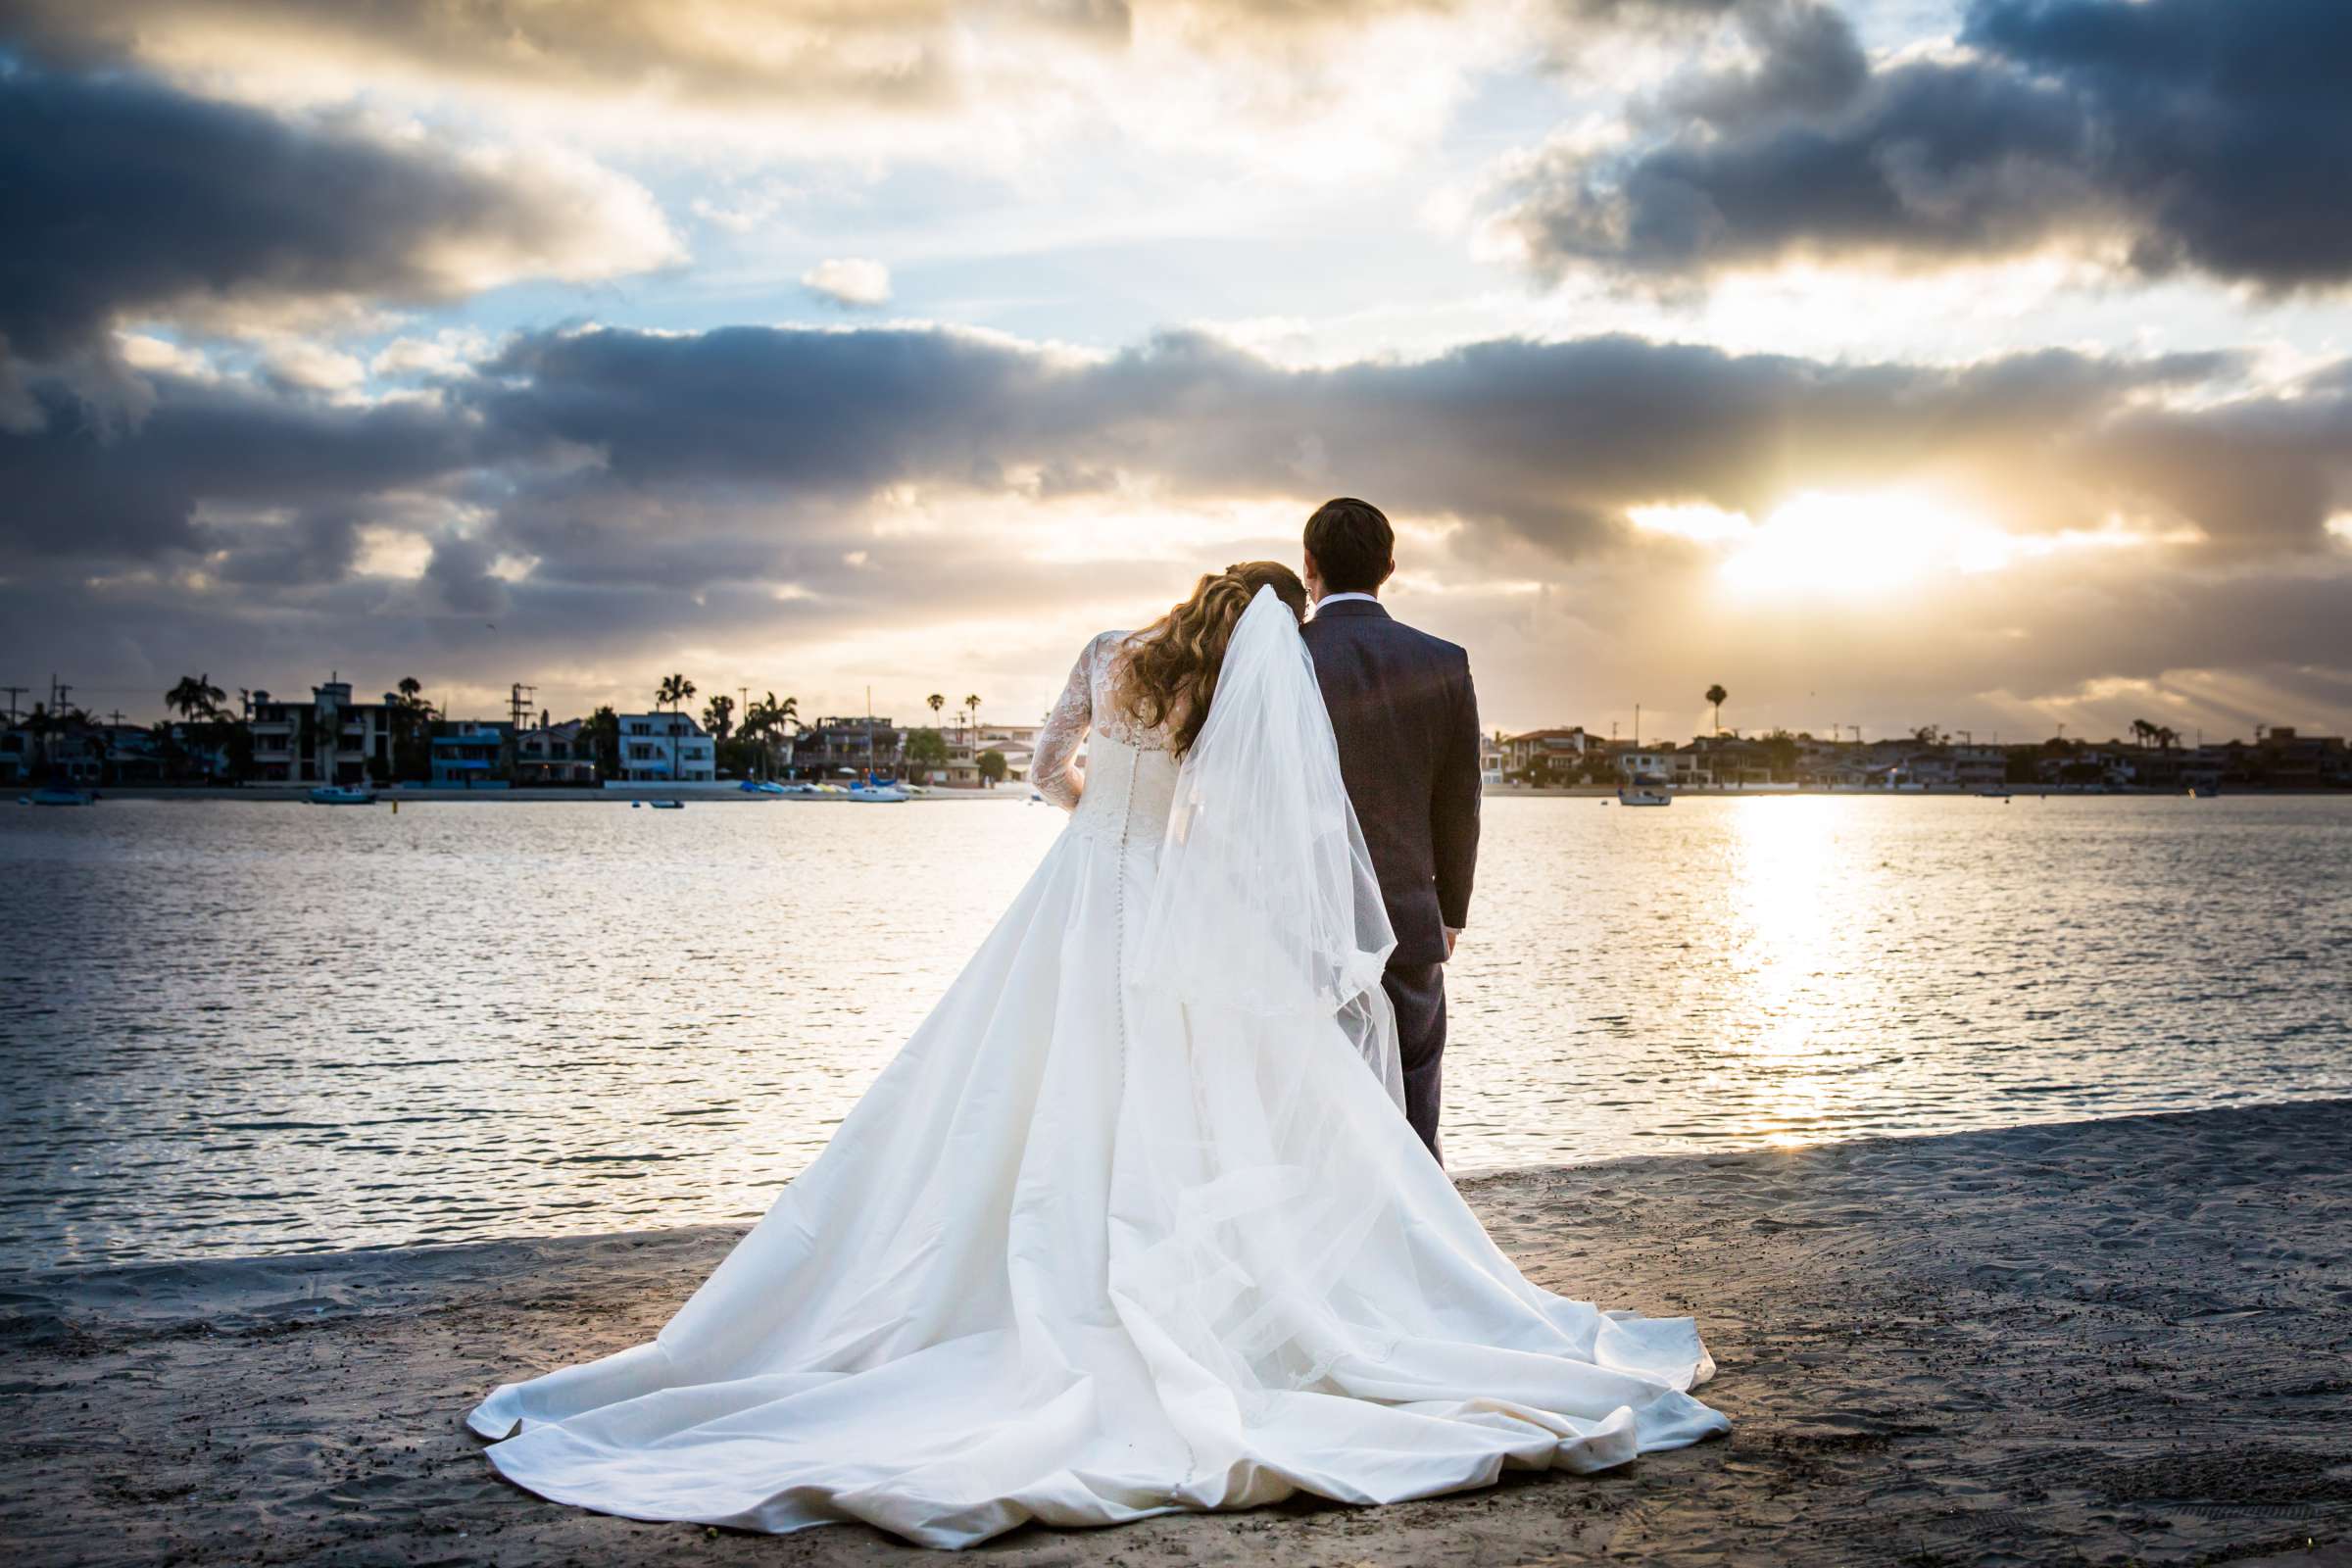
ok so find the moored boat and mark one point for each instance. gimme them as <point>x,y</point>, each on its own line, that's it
<point>341,794</point>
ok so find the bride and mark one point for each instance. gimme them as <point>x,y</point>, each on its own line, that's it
<point>1134,1223</point>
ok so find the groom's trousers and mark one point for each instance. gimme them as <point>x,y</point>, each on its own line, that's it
<point>1417,991</point>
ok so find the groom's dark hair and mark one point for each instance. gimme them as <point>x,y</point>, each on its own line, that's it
<point>1354,546</point>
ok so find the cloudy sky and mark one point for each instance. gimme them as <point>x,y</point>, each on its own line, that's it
<point>1982,363</point>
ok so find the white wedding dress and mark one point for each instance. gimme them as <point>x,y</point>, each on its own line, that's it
<point>1128,1227</point>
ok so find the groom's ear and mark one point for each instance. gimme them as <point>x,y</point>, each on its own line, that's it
<point>1387,572</point>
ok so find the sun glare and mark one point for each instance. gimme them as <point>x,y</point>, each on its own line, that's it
<point>1818,542</point>
<point>1861,545</point>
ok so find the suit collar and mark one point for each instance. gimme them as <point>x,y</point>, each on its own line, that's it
<point>1351,607</point>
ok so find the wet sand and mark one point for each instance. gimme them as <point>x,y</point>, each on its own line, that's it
<point>2112,1342</point>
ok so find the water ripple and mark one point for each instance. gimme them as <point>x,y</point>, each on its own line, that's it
<point>235,1027</point>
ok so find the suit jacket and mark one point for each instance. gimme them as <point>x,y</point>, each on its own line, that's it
<point>1407,718</point>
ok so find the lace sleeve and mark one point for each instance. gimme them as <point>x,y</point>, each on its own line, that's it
<point>1053,769</point>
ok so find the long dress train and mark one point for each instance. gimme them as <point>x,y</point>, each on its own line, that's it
<point>1092,1249</point>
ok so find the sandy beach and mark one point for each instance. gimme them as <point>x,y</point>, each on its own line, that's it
<point>2101,1341</point>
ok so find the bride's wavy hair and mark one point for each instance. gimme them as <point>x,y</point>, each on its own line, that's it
<point>1169,670</point>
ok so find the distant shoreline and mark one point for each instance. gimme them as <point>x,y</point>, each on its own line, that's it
<point>729,795</point>
<point>2021,792</point>
<point>693,794</point>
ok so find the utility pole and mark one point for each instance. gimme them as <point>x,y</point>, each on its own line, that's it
<point>518,704</point>
<point>1637,726</point>
<point>14,692</point>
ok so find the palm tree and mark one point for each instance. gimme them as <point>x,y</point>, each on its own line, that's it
<point>673,691</point>
<point>972,705</point>
<point>767,719</point>
<point>1718,695</point>
<point>194,695</point>
<point>602,732</point>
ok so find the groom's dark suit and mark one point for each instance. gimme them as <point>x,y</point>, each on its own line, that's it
<point>1407,718</point>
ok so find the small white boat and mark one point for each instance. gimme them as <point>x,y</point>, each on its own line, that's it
<point>887,793</point>
<point>668,806</point>
<point>58,794</point>
<point>1643,794</point>
<point>1992,795</point>
<point>341,794</point>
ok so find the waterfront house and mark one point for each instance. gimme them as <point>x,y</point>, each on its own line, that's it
<point>1546,755</point>
<point>837,746</point>
<point>328,740</point>
<point>132,754</point>
<point>20,755</point>
<point>71,751</point>
<point>666,749</point>
<point>555,754</point>
<point>1016,743</point>
<point>966,744</point>
<point>2290,759</point>
<point>1646,763</point>
<point>1978,767</point>
<point>473,754</point>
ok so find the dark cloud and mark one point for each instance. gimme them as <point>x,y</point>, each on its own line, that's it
<point>122,199</point>
<point>314,545</point>
<point>832,412</point>
<point>1550,441</point>
<point>81,491</point>
<point>2200,135</point>
<point>460,569</point>
<point>732,450</point>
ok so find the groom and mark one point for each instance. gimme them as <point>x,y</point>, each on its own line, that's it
<point>1406,719</point>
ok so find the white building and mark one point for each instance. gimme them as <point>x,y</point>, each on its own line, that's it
<point>666,749</point>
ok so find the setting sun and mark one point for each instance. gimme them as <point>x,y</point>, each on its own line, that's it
<point>1861,545</point>
<point>1852,545</point>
